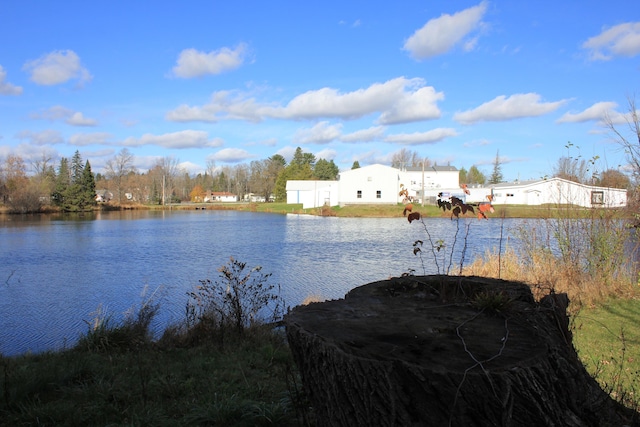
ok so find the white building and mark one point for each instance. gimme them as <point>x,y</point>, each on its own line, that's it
<point>379,184</point>
<point>373,184</point>
<point>369,184</point>
<point>549,191</point>
<point>312,194</point>
<point>431,180</point>
<point>219,196</point>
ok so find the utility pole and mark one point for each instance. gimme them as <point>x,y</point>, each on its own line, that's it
<point>422,182</point>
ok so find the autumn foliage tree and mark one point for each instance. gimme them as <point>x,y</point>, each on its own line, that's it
<point>197,194</point>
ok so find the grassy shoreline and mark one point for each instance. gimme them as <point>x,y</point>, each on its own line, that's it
<point>360,211</point>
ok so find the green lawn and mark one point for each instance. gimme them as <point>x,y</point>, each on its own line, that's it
<point>607,339</point>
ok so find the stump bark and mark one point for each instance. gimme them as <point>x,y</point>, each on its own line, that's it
<point>445,351</point>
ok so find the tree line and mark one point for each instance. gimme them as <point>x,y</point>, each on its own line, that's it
<point>71,186</point>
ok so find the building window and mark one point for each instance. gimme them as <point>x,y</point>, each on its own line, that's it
<point>378,194</point>
<point>359,194</point>
<point>597,197</point>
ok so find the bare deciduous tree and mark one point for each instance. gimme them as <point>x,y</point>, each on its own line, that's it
<point>404,158</point>
<point>170,169</point>
<point>117,169</point>
<point>625,129</point>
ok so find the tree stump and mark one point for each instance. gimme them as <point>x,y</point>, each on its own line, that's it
<point>445,351</point>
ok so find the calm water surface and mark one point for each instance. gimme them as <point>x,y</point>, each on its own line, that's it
<point>56,272</point>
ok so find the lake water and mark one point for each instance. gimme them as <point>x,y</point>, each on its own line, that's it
<point>57,271</point>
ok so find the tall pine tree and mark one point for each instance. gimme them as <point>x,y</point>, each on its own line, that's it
<point>62,182</point>
<point>75,189</point>
<point>88,188</point>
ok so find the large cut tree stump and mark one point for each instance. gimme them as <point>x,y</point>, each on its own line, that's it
<point>445,351</point>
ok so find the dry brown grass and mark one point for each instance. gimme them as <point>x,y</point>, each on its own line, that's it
<point>313,298</point>
<point>545,272</point>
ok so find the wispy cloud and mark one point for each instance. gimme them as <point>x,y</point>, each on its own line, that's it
<point>193,63</point>
<point>57,67</point>
<point>420,138</point>
<point>96,138</point>
<point>321,133</point>
<point>440,35</point>
<point>620,40</point>
<point>597,112</point>
<point>58,112</point>
<point>45,137</point>
<point>504,108</point>
<point>179,140</point>
<point>231,155</point>
<point>7,88</point>
<point>399,100</point>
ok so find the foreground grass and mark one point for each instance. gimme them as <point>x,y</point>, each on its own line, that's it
<point>248,382</point>
<point>607,339</point>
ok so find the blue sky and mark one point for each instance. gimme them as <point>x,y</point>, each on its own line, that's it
<point>232,82</point>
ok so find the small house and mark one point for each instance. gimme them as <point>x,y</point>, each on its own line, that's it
<point>220,196</point>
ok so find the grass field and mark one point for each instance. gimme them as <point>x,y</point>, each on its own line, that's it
<point>607,339</point>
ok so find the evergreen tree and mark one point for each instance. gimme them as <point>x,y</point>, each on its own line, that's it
<point>88,187</point>
<point>76,167</point>
<point>462,176</point>
<point>301,159</point>
<point>356,165</point>
<point>496,175</point>
<point>326,170</point>
<point>474,176</point>
<point>62,182</point>
<point>75,187</point>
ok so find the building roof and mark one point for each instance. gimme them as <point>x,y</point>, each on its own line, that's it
<point>434,168</point>
<point>514,184</point>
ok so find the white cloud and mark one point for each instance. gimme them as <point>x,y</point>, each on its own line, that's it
<point>193,63</point>
<point>399,100</point>
<point>191,168</point>
<point>476,143</point>
<point>224,105</point>
<point>57,67</point>
<point>179,140</point>
<point>439,35</point>
<point>502,108</point>
<point>419,138</point>
<point>45,137</point>
<point>375,133</point>
<point>30,152</point>
<point>287,152</point>
<point>327,154</point>
<point>621,40</point>
<point>96,138</point>
<point>597,112</point>
<point>329,102</point>
<point>231,155</point>
<point>321,133</point>
<point>7,88</point>
<point>78,119</point>
<point>58,112</point>
<point>415,106</point>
